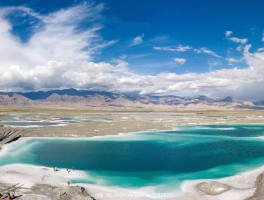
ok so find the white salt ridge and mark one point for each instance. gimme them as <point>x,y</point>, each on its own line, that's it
<point>229,128</point>
<point>31,126</point>
<point>29,175</point>
<point>243,186</point>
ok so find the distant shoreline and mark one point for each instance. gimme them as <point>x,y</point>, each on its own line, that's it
<point>113,123</point>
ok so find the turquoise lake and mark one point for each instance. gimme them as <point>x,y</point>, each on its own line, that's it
<point>161,158</point>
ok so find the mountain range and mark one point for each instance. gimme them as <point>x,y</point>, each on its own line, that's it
<point>86,98</point>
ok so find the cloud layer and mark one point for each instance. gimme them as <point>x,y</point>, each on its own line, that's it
<point>60,54</point>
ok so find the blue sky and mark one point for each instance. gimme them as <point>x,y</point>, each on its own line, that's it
<point>187,46</point>
<point>173,23</point>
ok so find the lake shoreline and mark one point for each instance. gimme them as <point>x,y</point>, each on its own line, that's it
<point>243,184</point>
<point>124,124</point>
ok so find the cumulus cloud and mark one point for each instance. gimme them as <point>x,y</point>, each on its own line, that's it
<point>228,33</point>
<point>235,39</point>
<point>60,54</point>
<point>207,51</point>
<point>137,40</point>
<point>215,83</point>
<point>180,61</point>
<point>57,39</point>
<point>56,48</point>
<point>179,48</point>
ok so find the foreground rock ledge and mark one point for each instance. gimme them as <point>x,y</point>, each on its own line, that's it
<point>259,192</point>
<point>212,187</point>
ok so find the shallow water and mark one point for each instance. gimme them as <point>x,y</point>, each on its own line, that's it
<point>163,158</point>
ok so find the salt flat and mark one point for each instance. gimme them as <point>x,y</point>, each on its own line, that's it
<point>100,123</point>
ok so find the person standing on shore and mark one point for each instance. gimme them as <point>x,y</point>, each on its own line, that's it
<point>9,196</point>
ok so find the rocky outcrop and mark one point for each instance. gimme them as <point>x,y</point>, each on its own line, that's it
<point>52,192</point>
<point>259,192</point>
<point>8,136</point>
<point>212,188</point>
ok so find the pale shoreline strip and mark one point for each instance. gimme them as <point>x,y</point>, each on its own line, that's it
<point>243,183</point>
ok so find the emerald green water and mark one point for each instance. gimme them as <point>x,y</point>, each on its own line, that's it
<point>163,158</point>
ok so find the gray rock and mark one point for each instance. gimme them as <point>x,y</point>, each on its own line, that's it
<point>259,192</point>
<point>212,187</point>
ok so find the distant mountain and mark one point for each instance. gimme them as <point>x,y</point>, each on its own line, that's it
<point>86,98</point>
<point>40,95</point>
<point>14,99</point>
<point>227,99</point>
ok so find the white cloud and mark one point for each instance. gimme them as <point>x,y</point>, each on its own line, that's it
<point>182,48</point>
<point>228,33</point>
<point>180,61</point>
<point>235,39</point>
<point>57,39</point>
<point>179,48</point>
<point>238,40</point>
<point>137,40</point>
<point>240,48</point>
<point>206,51</point>
<point>54,49</point>
<point>233,60</point>
<point>262,37</point>
<point>53,58</point>
<point>221,82</point>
